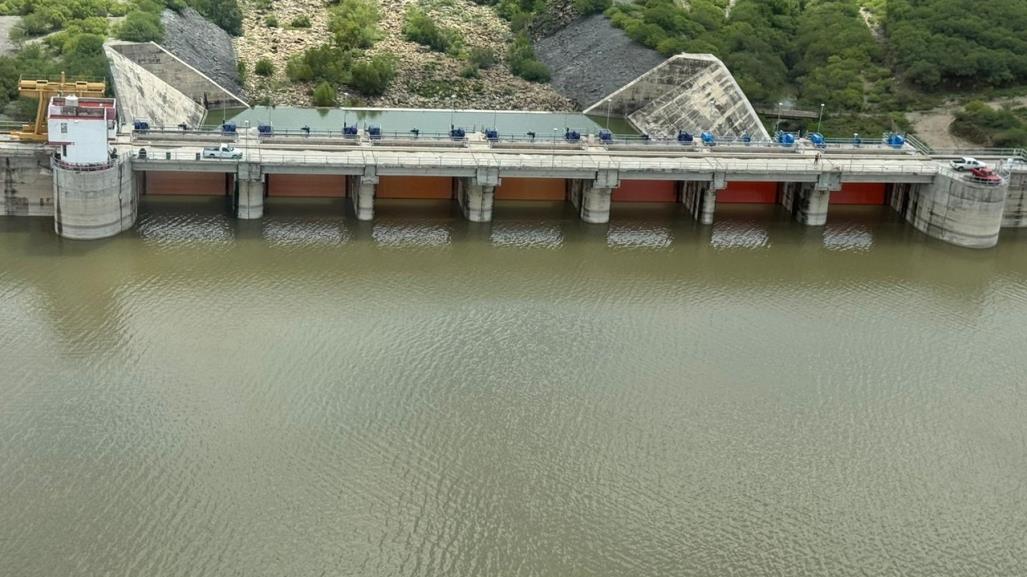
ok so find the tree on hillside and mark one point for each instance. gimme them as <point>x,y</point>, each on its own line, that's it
<point>224,13</point>
<point>140,26</point>
<point>354,23</point>
<point>950,43</point>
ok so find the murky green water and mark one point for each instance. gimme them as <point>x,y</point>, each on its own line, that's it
<point>308,395</point>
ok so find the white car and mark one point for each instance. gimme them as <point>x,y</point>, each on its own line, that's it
<point>222,151</point>
<point>967,163</point>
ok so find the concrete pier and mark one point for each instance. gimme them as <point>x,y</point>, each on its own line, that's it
<point>249,192</point>
<point>592,198</point>
<point>700,199</point>
<point>92,203</point>
<point>361,189</point>
<point>475,200</point>
<point>806,202</point>
<point>594,203</point>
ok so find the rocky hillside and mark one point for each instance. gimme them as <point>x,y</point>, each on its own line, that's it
<point>203,46</point>
<point>424,79</point>
<point>590,59</point>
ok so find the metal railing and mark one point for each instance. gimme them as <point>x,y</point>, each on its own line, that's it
<point>88,167</point>
<point>984,152</point>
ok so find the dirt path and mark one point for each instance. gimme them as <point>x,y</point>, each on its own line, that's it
<point>932,126</point>
<point>871,23</point>
<point>6,23</point>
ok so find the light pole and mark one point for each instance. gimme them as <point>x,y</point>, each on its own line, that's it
<point>552,156</point>
<point>609,104</point>
<point>777,126</point>
<point>821,117</point>
<point>452,111</point>
<point>345,111</point>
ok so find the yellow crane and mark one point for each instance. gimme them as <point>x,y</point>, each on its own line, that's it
<point>43,90</point>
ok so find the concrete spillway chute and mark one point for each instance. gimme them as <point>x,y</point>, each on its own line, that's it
<point>43,90</point>
<point>687,92</point>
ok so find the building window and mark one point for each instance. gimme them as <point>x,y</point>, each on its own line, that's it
<point>64,128</point>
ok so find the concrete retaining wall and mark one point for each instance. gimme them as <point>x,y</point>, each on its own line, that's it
<point>27,184</point>
<point>94,204</point>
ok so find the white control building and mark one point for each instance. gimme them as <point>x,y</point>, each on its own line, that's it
<point>82,128</point>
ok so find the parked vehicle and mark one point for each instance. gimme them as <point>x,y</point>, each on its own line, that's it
<point>986,174</point>
<point>225,151</point>
<point>966,163</point>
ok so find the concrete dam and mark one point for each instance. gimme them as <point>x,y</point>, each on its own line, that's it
<point>91,173</point>
<point>96,202</point>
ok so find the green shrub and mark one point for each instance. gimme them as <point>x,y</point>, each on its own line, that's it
<point>300,22</point>
<point>141,26</point>
<point>420,28</point>
<point>118,8</point>
<point>482,57</point>
<point>354,23</point>
<point>531,70</point>
<point>324,95</point>
<point>984,125</point>
<point>271,21</point>
<point>264,67</point>
<point>372,77</point>
<point>176,5</point>
<point>585,7</point>
<point>240,66</point>
<point>469,71</point>
<point>523,63</point>
<point>224,13</point>
<point>328,63</point>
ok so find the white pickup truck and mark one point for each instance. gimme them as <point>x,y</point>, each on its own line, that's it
<point>221,151</point>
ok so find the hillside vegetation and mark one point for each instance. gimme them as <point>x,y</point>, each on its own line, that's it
<point>72,34</point>
<point>814,52</point>
<point>410,53</point>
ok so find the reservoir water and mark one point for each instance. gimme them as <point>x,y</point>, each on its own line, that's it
<point>307,395</point>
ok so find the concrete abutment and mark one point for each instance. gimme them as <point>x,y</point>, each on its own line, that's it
<point>954,208</point>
